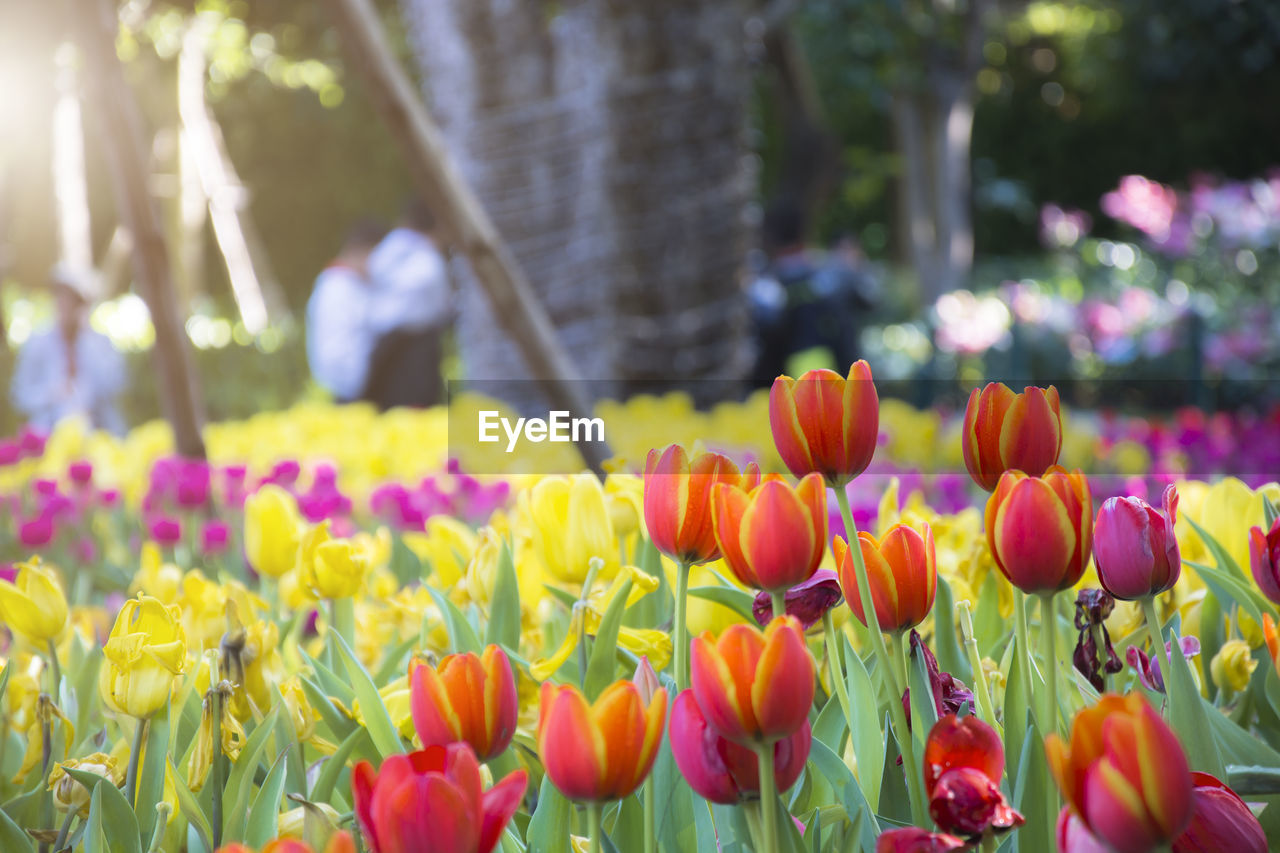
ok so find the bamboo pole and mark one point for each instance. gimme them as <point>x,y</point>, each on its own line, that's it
<point>464,221</point>
<point>125,148</point>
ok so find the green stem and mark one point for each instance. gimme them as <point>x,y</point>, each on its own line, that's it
<point>915,777</point>
<point>682,627</point>
<point>1022,638</point>
<point>650,816</point>
<point>135,758</point>
<point>55,672</point>
<point>46,756</point>
<point>751,808</point>
<point>779,603</point>
<point>1157,642</point>
<point>768,799</point>
<point>219,766</point>
<point>64,830</point>
<point>915,784</point>
<point>986,708</point>
<point>1048,645</point>
<point>594,829</point>
<point>163,810</point>
<point>835,661</point>
<point>342,611</point>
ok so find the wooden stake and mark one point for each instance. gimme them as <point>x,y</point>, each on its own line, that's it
<point>125,147</point>
<point>464,221</point>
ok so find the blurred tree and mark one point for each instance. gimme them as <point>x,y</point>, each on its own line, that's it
<point>607,141</point>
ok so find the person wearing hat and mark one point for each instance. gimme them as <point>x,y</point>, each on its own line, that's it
<point>69,370</point>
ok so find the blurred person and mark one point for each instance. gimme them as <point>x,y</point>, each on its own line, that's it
<point>69,370</point>
<point>411,306</point>
<point>340,339</point>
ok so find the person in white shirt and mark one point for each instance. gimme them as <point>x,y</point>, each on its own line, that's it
<point>69,370</point>
<point>339,336</point>
<point>410,308</point>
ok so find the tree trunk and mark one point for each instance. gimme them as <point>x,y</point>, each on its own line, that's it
<point>125,149</point>
<point>607,140</point>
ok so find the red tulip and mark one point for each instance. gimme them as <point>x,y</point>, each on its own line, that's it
<point>754,687</point>
<point>1220,821</point>
<point>431,801</point>
<point>720,770</point>
<point>339,842</point>
<point>1004,431</point>
<point>1134,546</point>
<point>468,698</point>
<point>772,537</point>
<point>601,751</point>
<point>677,500</point>
<point>1264,559</point>
<point>1040,529</point>
<point>902,569</point>
<point>913,839</point>
<point>1124,774</point>
<point>963,762</point>
<point>826,424</point>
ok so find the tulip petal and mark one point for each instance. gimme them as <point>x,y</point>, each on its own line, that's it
<point>499,803</point>
<point>783,686</point>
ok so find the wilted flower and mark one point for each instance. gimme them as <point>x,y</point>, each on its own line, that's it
<point>807,602</point>
<point>1094,654</point>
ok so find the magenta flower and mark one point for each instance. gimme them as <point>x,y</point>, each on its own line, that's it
<point>807,601</point>
<point>1264,559</point>
<point>1149,668</point>
<point>214,537</point>
<point>81,473</point>
<point>37,532</point>
<point>165,531</point>
<point>1135,548</point>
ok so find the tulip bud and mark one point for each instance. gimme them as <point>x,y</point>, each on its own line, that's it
<point>1124,774</point>
<point>469,698</point>
<point>603,750</point>
<point>720,770</point>
<point>433,800</point>
<point>1233,666</point>
<point>33,604</point>
<point>1040,529</point>
<point>913,839</point>
<point>1264,559</point>
<point>963,762</point>
<point>901,570</point>
<point>1004,431</point>
<point>774,536</point>
<point>1220,821</point>
<point>271,531</point>
<point>328,567</point>
<point>1134,546</point>
<point>826,424</point>
<point>754,687</point>
<point>71,795</point>
<point>646,680</point>
<point>677,500</point>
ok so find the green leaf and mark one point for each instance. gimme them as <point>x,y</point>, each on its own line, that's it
<point>151,774</point>
<point>1190,718</point>
<point>191,809</point>
<point>1269,512</point>
<point>393,664</point>
<point>376,719</point>
<point>868,739</point>
<point>946,638</point>
<point>462,637</point>
<point>239,789</point>
<point>405,564</point>
<point>549,827</point>
<point>602,667</point>
<point>329,681</point>
<point>924,713</point>
<point>111,811</point>
<point>1016,707</point>
<point>338,723</point>
<point>11,835</point>
<point>987,627</point>
<point>334,765</point>
<point>504,605</point>
<point>1229,587</point>
<point>1032,789</point>
<point>296,773</point>
<point>673,804</point>
<point>738,600</point>
<point>264,815</point>
<point>836,772</point>
<point>1255,780</point>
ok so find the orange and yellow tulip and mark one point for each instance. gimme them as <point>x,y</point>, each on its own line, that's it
<point>773,536</point>
<point>339,842</point>
<point>603,750</point>
<point>754,687</point>
<point>1004,431</point>
<point>825,423</point>
<point>468,698</point>
<point>902,569</point>
<point>677,500</point>
<point>1124,774</point>
<point>1040,529</point>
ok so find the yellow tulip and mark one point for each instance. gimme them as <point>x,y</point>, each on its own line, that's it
<point>1226,510</point>
<point>146,651</point>
<point>271,530</point>
<point>328,567</point>
<point>447,545</point>
<point>155,577</point>
<point>1233,666</point>
<point>68,794</point>
<point>571,524</point>
<point>34,606</point>
<point>45,712</point>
